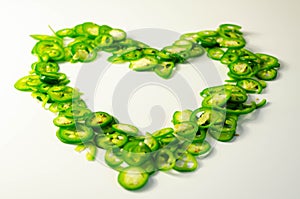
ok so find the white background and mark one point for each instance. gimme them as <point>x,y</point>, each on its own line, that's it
<point>262,163</point>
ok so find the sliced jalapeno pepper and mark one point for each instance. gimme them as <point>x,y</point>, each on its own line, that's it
<point>103,41</point>
<point>182,116</point>
<point>164,69</point>
<point>196,51</point>
<point>117,34</point>
<point>83,52</point>
<point>200,135</point>
<point>144,63</point>
<point>216,99</point>
<point>79,30</point>
<point>229,57</point>
<point>227,127</point>
<point>186,163</point>
<point>215,53</point>
<point>63,93</point>
<point>199,148</point>
<point>231,43</point>
<point>205,117</point>
<point>240,68</point>
<point>135,153</point>
<point>52,77</point>
<point>75,135</point>
<point>186,130</point>
<point>230,28</point>
<point>268,61</point>
<point>62,121</point>
<point>150,51</point>
<point>41,67</point>
<point>91,29</point>
<point>66,32</point>
<point>267,74</point>
<point>126,128</point>
<point>151,142</point>
<point>98,119</point>
<point>221,136</point>
<point>133,178</point>
<point>188,45</point>
<point>28,83</point>
<point>113,157</point>
<point>149,166</point>
<point>164,159</point>
<point>104,29</point>
<point>163,133</point>
<point>78,113</point>
<point>208,41</point>
<point>111,140</point>
<point>239,109</point>
<point>194,37</point>
<point>132,55</point>
<point>250,85</point>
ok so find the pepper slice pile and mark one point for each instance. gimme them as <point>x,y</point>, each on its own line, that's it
<point>134,155</point>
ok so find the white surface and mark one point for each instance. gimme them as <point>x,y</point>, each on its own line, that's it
<point>262,163</point>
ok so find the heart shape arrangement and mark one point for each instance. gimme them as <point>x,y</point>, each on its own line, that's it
<point>133,155</point>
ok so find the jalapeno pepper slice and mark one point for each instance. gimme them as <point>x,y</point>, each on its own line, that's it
<point>199,148</point>
<point>79,113</point>
<point>205,117</point>
<point>41,67</point>
<point>231,43</point>
<point>221,136</point>
<point>149,166</point>
<point>240,109</point>
<point>63,93</point>
<point>132,55</point>
<point>196,51</point>
<point>103,41</point>
<point>83,52</point>
<point>226,129</point>
<point>186,130</point>
<point>91,29</point>
<point>52,77</point>
<point>75,135</point>
<point>135,153</point>
<point>215,53</point>
<point>117,34</point>
<point>108,141</point>
<point>182,116</point>
<point>151,142</point>
<point>229,57</point>
<point>125,128</point>
<point>143,64</point>
<point>186,163</point>
<point>98,119</point>
<point>62,121</point>
<point>28,83</point>
<point>267,74</point>
<point>133,178</point>
<point>164,159</point>
<point>268,61</point>
<point>113,157</point>
<point>240,68</point>
<point>163,133</point>
<point>216,99</point>
<point>164,69</point>
<point>200,135</point>
<point>250,85</point>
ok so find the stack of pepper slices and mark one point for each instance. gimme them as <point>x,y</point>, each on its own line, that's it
<point>134,155</point>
